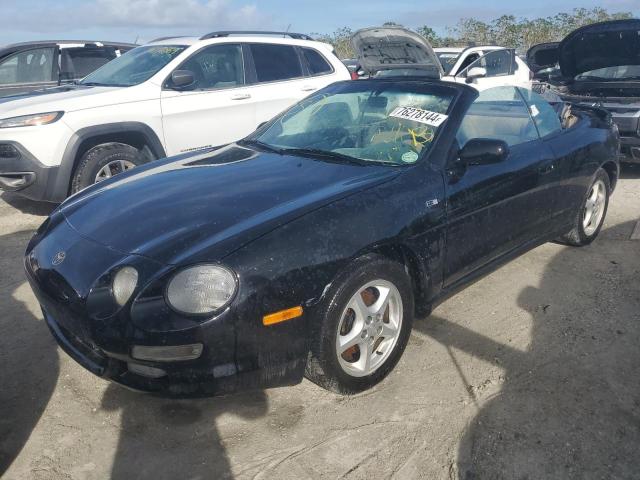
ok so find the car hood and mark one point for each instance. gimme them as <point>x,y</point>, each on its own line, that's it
<point>543,55</point>
<point>68,98</point>
<point>601,45</point>
<point>211,203</point>
<point>390,48</point>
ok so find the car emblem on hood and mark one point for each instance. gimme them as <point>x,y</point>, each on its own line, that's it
<point>59,258</point>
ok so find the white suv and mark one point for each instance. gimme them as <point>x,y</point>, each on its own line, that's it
<point>170,96</point>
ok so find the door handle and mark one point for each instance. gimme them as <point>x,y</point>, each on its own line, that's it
<point>308,88</point>
<point>240,96</point>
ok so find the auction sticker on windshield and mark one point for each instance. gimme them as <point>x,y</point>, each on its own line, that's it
<point>418,115</point>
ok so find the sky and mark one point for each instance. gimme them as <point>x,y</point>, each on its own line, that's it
<point>143,20</point>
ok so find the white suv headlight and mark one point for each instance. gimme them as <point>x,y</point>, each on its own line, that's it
<point>201,289</point>
<point>30,120</point>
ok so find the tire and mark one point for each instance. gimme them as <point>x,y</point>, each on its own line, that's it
<point>337,322</point>
<point>582,233</point>
<point>97,158</point>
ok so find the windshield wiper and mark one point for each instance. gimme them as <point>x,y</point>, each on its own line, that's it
<point>98,84</point>
<point>324,154</point>
<point>262,145</point>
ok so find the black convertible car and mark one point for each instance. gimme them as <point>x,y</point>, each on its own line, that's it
<point>308,247</point>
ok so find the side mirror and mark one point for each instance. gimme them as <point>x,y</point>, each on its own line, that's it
<point>476,72</point>
<point>183,80</point>
<point>484,151</point>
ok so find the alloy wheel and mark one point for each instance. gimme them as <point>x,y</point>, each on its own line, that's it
<point>113,168</point>
<point>594,207</point>
<point>369,328</point>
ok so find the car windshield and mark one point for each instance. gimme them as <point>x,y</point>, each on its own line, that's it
<point>621,72</point>
<point>134,67</point>
<point>448,60</point>
<point>369,121</point>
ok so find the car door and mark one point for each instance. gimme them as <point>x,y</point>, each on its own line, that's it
<point>278,79</point>
<point>494,69</point>
<point>28,70</point>
<point>493,209</point>
<point>217,109</point>
<point>565,193</point>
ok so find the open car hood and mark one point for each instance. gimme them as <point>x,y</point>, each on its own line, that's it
<point>543,55</point>
<point>601,45</point>
<point>391,48</point>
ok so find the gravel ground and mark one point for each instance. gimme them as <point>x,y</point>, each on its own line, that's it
<point>529,373</point>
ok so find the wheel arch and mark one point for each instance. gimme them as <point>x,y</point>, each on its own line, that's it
<point>613,171</point>
<point>416,270</point>
<point>136,134</point>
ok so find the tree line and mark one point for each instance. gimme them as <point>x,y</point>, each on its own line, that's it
<point>507,30</point>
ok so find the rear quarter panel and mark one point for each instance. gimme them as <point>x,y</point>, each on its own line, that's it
<point>582,150</point>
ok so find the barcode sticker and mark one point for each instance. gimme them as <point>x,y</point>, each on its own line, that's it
<point>418,115</point>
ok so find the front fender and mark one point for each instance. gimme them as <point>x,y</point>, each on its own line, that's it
<point>296,263</point>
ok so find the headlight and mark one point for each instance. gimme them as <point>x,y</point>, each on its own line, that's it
<point>30,120</point>
<point>124,283</point>
<point>201,289</point>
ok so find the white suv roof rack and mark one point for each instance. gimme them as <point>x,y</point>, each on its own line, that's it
<point>227,33</point>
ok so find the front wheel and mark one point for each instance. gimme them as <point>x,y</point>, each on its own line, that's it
<point>590,218</point>
<point>364,327</point>
<point>103,162</point>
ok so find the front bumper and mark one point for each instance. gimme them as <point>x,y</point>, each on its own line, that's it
<point>20,171</point>
<point>239,353</point>
<point>182,379</point>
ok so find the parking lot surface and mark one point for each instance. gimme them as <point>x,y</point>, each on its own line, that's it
<point>531,372</point>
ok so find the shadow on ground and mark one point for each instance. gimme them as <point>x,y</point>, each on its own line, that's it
<point>161,438</point>
<point>630,170</point>
<point>25,205</point>
<point>28,357</point>
<point>570,404</point>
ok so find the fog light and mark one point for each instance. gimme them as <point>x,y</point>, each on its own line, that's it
<point>146,371</point>
<point>166,353</point>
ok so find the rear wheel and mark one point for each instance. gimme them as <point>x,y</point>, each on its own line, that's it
<point>589,219</point>
<point>365,327</point>
<point>103,162</point>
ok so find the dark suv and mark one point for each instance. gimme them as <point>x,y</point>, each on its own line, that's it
<point>597,65</point>
<point>29,66</point>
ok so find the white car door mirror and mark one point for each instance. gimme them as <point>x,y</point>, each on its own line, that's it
<point>183,80</point>
<point>476,72</point>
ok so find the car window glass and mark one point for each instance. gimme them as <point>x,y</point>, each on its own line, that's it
<point>316,62</point>
<point>500,114</point>
<point>388,123</point>
<point>275,62</point>
<point>135,66</point>
<point>472,57</point>
<point>544,115</point>
<point>218,66</point>
<point>620,72</point>
<point>448,60</point>
<point>498,62</point>
<point>28,66</point>
<point>81,61</point>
